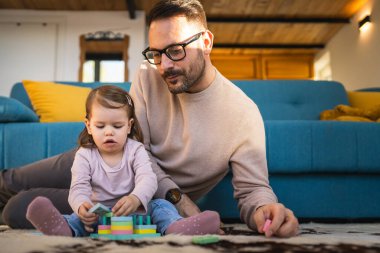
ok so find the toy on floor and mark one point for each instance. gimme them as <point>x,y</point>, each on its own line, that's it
<point>122,227</point>
<point>267,224</point>
<point>206,239</point>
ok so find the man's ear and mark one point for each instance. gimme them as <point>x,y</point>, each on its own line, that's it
<point>208,40</point>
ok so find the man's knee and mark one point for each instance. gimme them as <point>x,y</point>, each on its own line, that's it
<point>15,210</point>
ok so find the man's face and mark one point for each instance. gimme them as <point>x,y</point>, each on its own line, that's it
<point>186,74</point>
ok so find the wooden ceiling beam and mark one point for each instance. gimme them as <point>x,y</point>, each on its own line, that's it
<point>131,8</point>
<point>269,46</point>
<point>276,20</point>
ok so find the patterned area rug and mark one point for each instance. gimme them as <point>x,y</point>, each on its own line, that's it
<point>313,237</point>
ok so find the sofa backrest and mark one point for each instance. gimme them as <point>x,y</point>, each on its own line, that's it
<point>294,99</point>
<point>276,99</point>
<point>18,91</point>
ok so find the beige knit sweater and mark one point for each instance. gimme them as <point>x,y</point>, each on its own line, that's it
<point>193,139</point>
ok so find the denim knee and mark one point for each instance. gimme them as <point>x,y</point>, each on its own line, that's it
<point>163,214</point>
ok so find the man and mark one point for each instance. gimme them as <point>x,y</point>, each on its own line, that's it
<point>195,122</point>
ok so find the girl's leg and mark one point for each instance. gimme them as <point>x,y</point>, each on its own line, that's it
<point>168,221</point>
<point>46,218</point>
<point>163,214</point>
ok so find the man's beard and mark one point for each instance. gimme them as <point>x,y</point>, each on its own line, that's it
<point>186,79</point>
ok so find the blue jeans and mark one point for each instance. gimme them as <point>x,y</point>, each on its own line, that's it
<point>162,213</point>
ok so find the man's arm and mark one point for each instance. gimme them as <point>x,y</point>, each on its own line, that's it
<point>141,100</point>
<point>249,166</point>
<point>256,199</point>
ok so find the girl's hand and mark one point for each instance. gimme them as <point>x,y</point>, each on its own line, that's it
<point>126,205</point>
<point>87,218</point>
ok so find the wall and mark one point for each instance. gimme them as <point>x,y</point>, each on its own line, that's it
<point>44,45</point>
<point>355,55</point>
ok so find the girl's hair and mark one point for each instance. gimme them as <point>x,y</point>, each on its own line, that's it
<point>107,96</point>
<point>191,9</point>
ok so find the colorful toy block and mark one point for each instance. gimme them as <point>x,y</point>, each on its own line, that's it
<point>99,209</point>
<point>207,239</point>
<point>122,227</point>
<point>267,224</point>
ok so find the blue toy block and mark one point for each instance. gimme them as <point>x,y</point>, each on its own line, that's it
<point>121,218</point>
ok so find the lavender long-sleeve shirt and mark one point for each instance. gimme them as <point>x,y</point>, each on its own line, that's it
<point>94,181</point>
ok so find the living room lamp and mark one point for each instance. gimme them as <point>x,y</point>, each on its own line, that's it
<point>364,23</point>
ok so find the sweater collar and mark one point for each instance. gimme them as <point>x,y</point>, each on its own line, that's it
<point>209,91</point>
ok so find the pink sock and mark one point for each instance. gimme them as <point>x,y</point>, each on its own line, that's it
<point>207,222</point>
<point>46,218</point>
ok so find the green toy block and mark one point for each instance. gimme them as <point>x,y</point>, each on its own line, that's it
<point>148,222</point>
<point>207,239</point>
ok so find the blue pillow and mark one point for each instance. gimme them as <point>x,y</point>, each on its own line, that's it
<point>12,110</point>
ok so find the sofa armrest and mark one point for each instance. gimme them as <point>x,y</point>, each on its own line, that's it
<point>12,110</point>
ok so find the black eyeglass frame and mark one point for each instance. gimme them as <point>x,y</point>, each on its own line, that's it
<point>164,51</point>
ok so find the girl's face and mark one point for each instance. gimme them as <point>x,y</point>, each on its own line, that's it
<point>109,128</point>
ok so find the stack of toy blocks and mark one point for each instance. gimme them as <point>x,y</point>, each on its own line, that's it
<point>122,227</point>
<point>141,227</point>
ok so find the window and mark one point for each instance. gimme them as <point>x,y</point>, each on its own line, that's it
<point>104,57</point>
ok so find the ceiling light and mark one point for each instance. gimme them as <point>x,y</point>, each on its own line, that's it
<point>364,23</point>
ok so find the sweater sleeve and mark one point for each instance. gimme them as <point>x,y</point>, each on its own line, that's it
<point>80,189</point>
<point>141,100</point>
<point>145,178</point>
<point>249,167</point>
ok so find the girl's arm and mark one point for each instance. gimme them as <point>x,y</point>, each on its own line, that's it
<point>145,184</point>
<point>80,189</point>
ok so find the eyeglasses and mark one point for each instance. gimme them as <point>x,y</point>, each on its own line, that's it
<point>175,52</point>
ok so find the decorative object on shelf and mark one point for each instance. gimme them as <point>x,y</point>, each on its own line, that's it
<point>104,35</point>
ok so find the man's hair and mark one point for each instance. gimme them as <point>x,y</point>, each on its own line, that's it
<point>191,9</point>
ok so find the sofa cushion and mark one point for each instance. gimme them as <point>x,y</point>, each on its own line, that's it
<point>12,110</point>
<point>294,99</point>
<point>55,102</point>
<point>304,146</point>
<point>364,99</point>
<point>18,91</point>
<point>24,143</point>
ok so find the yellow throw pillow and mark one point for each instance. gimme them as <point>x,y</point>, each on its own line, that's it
<point>55,102</point>
<point>364,99</point>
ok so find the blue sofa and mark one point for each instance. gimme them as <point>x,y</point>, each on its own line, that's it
<point>322,170</point>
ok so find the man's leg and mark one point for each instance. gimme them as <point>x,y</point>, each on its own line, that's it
<point>14,212</point>
<point>53,172</point>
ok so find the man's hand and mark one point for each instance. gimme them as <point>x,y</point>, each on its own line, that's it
<point>126,205</point>
<point>87,218</point>
<point>284,223</point>
<point>186,207</point>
